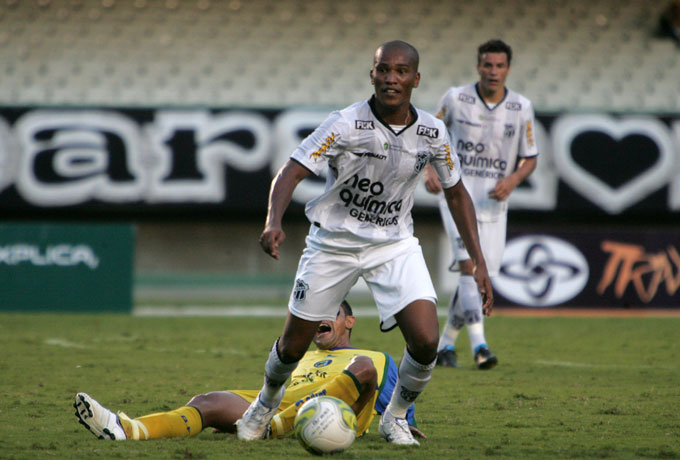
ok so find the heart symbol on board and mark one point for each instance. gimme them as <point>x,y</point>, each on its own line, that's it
<point>581,141</point>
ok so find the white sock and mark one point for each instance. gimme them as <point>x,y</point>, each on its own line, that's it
<point>471,302</point>
<point>476,334</point>
<point>413,378</point>
<point>454,324</point>
<point>276,373</point>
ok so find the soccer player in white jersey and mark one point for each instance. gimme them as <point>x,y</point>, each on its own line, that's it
<point>491,129</point>
<point>373,154</point>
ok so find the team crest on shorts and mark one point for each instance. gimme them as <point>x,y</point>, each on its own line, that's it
<point>301,289</point>
<point>421,161</point>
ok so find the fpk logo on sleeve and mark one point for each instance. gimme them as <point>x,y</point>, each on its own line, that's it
<point>466,98</point>
<point>427,131</point>
<point>364,124</point>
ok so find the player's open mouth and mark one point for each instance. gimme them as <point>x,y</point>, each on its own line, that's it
<point>323,328</point>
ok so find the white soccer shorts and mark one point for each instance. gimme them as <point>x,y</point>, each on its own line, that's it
<point>491,238</point>
<point>395,273</point>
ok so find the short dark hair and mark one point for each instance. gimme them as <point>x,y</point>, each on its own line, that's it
<point>494,46</point>
<point>415,57</point>
<point>347,308</point>
<point>348,312</point>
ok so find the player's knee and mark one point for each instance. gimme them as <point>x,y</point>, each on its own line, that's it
<point>219,409</point>
<point>290,352</point>
<point>202,402</point>
<point>364,370</point>
<point>473,316</point>
<point>458,322</point>
<point>424,350</point>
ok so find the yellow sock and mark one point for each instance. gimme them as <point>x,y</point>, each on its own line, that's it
<point>344,387</point>
<point>185,421</point>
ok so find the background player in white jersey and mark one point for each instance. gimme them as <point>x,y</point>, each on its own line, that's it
<point>491,128</point>
<point>374,153</point>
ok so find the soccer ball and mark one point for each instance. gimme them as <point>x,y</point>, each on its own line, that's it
<point>325,425</point>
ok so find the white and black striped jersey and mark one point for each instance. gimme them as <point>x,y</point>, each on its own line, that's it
<point>372,171</point>
<point>488,141</point>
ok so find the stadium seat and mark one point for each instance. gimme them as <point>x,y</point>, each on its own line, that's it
<point>581,54</point>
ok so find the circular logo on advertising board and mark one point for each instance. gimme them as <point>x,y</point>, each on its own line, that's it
<point>541,271</point>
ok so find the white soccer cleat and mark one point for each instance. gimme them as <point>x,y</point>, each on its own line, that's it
<point>103,423</point>
<point>254,422</point>
<point>396,430</point>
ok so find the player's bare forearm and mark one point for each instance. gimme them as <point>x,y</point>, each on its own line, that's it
<point>463,213</point>
<point>280,195</point>
<point>505,186</point>
<point>416,432</point>
<point>432,183</point>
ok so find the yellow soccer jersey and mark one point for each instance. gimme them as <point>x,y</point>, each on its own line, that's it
<point>317,366</point>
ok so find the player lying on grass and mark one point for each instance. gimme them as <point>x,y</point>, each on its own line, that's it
<point>364,379</point>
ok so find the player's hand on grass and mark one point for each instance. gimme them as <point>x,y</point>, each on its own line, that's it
<point>416,432</point>
<point>270,240</point>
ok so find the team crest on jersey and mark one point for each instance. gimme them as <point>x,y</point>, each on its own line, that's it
<point>516,106</point>
<point>427,131</point>
<point>421,161</point>
<point>509,130</point>
<point>467,98</point>
<point>327,144</point>
<point>300,291</point>
<point>363,124</point>
<point>323,363</point>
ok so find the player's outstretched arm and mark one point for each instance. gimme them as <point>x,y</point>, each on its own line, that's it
<point>280,194</point>
<point>463,213</point>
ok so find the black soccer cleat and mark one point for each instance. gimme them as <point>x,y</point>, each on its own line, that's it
<point>446,357</point>
<point>484,359</point>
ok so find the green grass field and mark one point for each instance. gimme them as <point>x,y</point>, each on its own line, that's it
<point>566,388</point>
